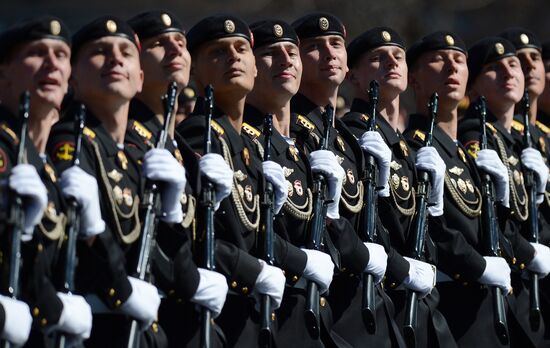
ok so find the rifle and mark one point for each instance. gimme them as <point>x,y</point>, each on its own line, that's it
<point>368,216</point>
<point>318,227</point>
<point>151,199</point>
<point>490,228</point>
<point>418,236</point>
<point>17,213</point>
<point>73,216</point>
<point>208,202</point>
<point>533,227</point>
<point>266,244</point>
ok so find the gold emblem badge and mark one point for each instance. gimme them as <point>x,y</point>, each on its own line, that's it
<point>404,148</point>
<point>298,187</point>
<point>178,156</point>
<point>542,144</point>
<point>290,188</point>
<point>453,181</point>
<point>51,173</point>
<point>287,171</point>
<point>405,183</point>
<point>229,26</point>
<point>64,151</point>
<point>248,193</point>
<point>277,30</point>
<point>166,20</point>
<point>111,26</point>
<point>127,197</point>
<point>246,156</point>
<point>524,39</point>
<point>473,149</point>
<point>117,194</point>
<point>449,40</point>
<point>499,48</point>
<point>462,155</point>
<point>469,185</point>
<point>115,176</point>
<point>3,161</point>
<point>513,161</point>
<point>239,175</point>
<point>55,27</point>
<point>395,166</point>
<point>293,152</point>
<point>323,24</point>
<point>386,36</point>
<point>341,145</point>
<point>395,181</point>
<point>122,160</point>
<point>462,185</point>
<point>517,177</point>
<point>456,170</point>
<point>350,176</point>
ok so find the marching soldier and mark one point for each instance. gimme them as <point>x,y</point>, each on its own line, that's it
<point>543,118</point>
<point>164,58</point>
<point>379,54</point>
<point>323,52</point>
<point>35,57</point>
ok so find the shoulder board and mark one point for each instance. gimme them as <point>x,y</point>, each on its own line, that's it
<point>142,130</point>
<point>420,135</point>
<point>217,128</point>
<point>250,130</point>
<point>304,122</point>
<point>10,132</point>
<point>518,126</point>
<point>89,133</point>
<point>491,127</point>
<point>543,127</point>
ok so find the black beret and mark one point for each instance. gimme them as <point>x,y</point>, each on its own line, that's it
<point>521,38</point>
<point>270,31</point>
<point>440,40</point>
<point>217,27</point>
<point>373,38</point>
<point>487,51</point>
<point>36,28</point>
<point>153,23</point>
<point>319,24</point>
<point>102,27</point>
<point>546,50</point>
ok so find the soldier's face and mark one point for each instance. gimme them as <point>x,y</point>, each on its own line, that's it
<point>384,64</point>
<point>228,64</point>
<point>42,67</point>
<point>501,82</point>
<point>441,71</point>
<point>107,67</point>
<point>324,59</point>
<point>279,69</point>
<point>533,70</point>
<point>165,58</point>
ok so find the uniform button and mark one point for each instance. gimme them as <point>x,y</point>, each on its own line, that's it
<point>112,292</point>
<point>456,276</point>
<point>35,311</point>
<point>343,269</point>
<point>393,285</point>
<point>323,301</point>
<point>43,322</point>
<point>179,300</point>
<point>118,303</point>
<point>295,279</point>
<point>514,260</point>
<point>351,275</point>
<point>521,266</point>
<point>155,327</point>
<point>233,284</point>
<point>244,290</point>
<point>171,292</point>
<point>273,317</point>
<point>40,248</point>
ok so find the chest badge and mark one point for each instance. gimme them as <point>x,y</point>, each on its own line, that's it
<point>350,176</point>
<point>456,170</point>
<point>246,156</point>
<point>51,173</point>
<point>469,185</point>
<point>127,197</point>
<point>513,161</point>
<point>298,187</point>
<point>462,186</point>
<point>293,152</point>
<point>395,181</point>
<point>115,176</point>
<point>395,166</point>
<point>117,195</point>
<point>404,148</point>
<point>462,155</point>
<point>122,160</point>
<point>248,193</point>
<point>405,183</point>
<point>287,171</point>
<point>178,156</point>
<point>341,144</point>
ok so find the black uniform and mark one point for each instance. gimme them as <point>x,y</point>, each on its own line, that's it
<point>396,213</point>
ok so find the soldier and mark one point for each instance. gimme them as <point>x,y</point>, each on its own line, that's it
<point>495,72</point>
<point>221,51</point>
<point>379,54</point>
<point>164,58</point>
<point>106,76</point>
<point>543,117</point>
<point>35,57</point>
<point>323,52</point>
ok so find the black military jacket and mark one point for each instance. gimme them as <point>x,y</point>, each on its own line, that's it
<point>43,256</point>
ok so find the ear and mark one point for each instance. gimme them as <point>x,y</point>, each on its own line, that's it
<point>351,76</point>
<point>141,77</point>
<point>413,83</point>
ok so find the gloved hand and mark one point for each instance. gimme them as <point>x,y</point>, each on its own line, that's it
<point>496,273</point>
<point>211,292</point>
<point>488,161</point>
<point>319,268</point>
<point>271,281</point>
<point>532,159</point>
<point>81,186</point>
<point>76,317</point>
<point>421,277</point>
<point>274,174</point>
<point>428,159</point>
<point>323,161</point>
<point>541,263</point>
<point>378,261</point>
<point>143,303</point>
<point>18,321</point>
<point>214,167</point>
<point>159,165</point>
<point>26,182</point>
<point>373,143</point>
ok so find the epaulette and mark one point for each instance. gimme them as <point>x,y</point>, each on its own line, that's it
<point>141,130</point>
<point>304,122</point>
<point>491,127</point>
<point>89,133</point>
<point>10,132</point>
<point>420,134</point>
<point>544,128</point>
<point>518,126</point>
<point>217,128</point>
<point>250,130</point>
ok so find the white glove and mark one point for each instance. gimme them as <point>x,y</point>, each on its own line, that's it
<point>214,167</point>
<point>271,281</point>
<point>26,182</point>
<point>323,161</point>
<point>428,159</point>
<point>211,292</point>
<point>532,159</point>
<point>81,186</point>
<point>18,321</point>
<point>76,317</point>
<point>143,303</point>
<point>496,273</point>
<point>319,268</point>
<point>274,174</point>
<point>378,261</point>
<point>373,143</point>
<point>488,161</point>
<point>159,165</point>
<point>541,263</point>
<point>421,277</point>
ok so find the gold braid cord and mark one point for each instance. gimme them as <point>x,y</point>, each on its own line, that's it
<point>60,221</point>
<point>189,215</point>
<point>300,212</point>
<point>354,208</point>
<point>463,203</point>
<point>411,196</point>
